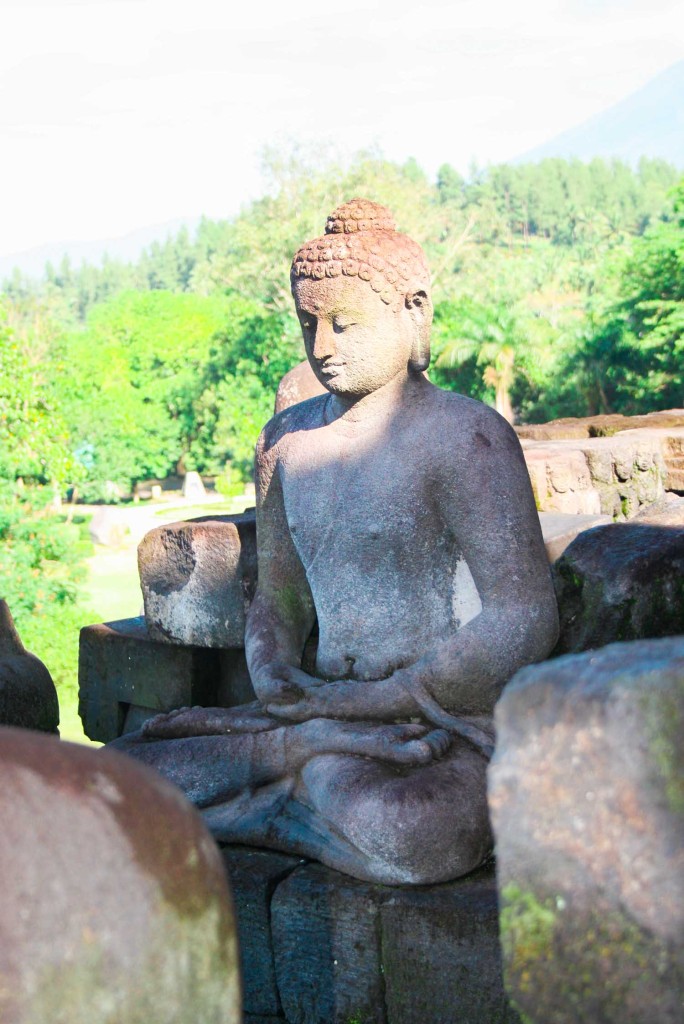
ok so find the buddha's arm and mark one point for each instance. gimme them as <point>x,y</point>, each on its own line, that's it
<point>486,499</point>
<point>282,614</point>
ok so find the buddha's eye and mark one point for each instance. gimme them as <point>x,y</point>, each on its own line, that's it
<point>308,323</point>
<point>340,326</point>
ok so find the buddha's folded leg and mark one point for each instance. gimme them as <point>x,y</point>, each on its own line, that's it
<point>370,819</point>
<point>406,825</point>
<point>216,769</point>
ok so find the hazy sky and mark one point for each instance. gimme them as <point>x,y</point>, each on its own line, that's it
<point>116,114</point>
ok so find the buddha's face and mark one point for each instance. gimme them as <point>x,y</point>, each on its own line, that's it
<point>355,342</point>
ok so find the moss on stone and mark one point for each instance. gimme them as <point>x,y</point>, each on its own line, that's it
<point>593,964</point>
<point>664,726</point>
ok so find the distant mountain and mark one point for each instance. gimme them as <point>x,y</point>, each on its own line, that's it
<point>649,122</point>
<point>125,248</point>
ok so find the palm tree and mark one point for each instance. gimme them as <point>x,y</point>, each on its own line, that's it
<point>491,334</point>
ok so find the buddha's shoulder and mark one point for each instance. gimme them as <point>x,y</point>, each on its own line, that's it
<point>453,416</point>
<point>306,415</point>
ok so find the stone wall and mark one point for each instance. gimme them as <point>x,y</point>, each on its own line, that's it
<point>613,465</point>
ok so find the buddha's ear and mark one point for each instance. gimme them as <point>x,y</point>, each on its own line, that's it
<point>419,306</point>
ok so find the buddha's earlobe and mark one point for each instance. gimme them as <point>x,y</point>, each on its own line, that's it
<point>420,308</point>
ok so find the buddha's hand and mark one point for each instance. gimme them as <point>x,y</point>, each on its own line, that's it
<point>379,700</point>
<point>283,684</point>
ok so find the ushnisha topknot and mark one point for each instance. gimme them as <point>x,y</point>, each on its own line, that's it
<point>361,240</point>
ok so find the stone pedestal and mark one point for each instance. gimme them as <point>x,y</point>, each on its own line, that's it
<point>126,677</point>
<point>319,947</point>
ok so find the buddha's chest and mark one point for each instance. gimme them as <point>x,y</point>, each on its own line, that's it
<point>362,504</point>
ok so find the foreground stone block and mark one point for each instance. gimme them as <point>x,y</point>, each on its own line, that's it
<point>114,900</point>
<point>198,579</point>
<point>587,800</point>
<point>125,677</point>
<point>620,582</point>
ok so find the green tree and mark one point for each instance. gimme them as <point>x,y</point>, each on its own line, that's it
<point>633,359</point>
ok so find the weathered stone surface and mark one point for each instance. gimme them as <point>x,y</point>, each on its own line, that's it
<point>441,954</point>
<point>297,385</point>
<point>559,530</point>
<point>326,942</point>
<point>28,698</point>
<point>615,476</point>
<point>125,678</point>
<point>198,578</point>
<point>587,799</point>
<point>253,876</point>
<point>114,900</point>
<point>561,481</point>
<point>620,582</point>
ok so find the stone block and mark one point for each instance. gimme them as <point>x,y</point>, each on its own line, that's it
<point>253,876</point>
<point>668,511</point>
<point>441,954</point>
<point>198,579</point>
<point>326,940</point>
<point>612,476</point>
<point>605,425</point>
<point>561,480</point>
<point>559,530</point>
<point>297,385</point>
<point>121,671</point>
<point>319,947</point>
<point>28,698</point>
<point>108,526</point>
<point>620,582</point>
<point>587,799</point>
<point>115,906</point>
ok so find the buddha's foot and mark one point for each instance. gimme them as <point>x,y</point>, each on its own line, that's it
<point>396,744</point>
<point>199,721</point>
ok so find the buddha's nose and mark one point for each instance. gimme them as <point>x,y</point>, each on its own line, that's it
<point>324,341</point>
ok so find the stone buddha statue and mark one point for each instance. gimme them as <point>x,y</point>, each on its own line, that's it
<point>400,518</point>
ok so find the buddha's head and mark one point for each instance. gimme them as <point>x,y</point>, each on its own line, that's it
<point>362,294</point>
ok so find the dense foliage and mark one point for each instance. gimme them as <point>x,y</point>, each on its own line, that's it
<point>40,555</point>
<point>557,286</point>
